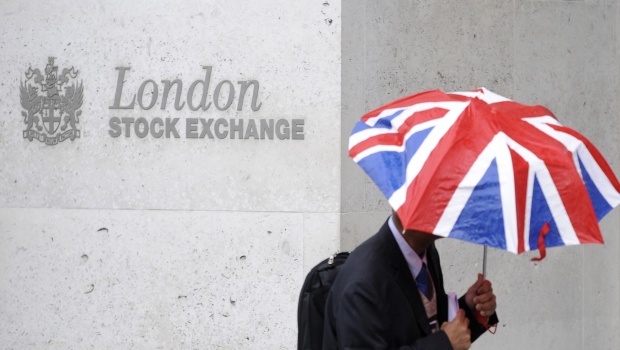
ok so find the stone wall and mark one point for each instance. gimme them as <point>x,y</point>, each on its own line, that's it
<point>141,233</point>
<point>128,237</point>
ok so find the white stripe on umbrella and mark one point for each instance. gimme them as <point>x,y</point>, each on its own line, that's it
<point>399,120</point>
<point>577,147</point>
<point>428,145</point>
<point>497,150</point>
<point>485,95</point>
<point>550,192</point>
<point>401,148</point>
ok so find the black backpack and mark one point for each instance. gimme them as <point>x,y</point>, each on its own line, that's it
<point>311,307</point>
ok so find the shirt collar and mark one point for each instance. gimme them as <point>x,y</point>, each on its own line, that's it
<point>413,259</point>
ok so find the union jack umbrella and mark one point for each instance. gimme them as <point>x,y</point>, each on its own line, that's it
<point>482,168</point>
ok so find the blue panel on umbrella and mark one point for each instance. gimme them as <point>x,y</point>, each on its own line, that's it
<point>388,169</point>
<point>482,219</point>
<point>383,123</point>
<point>541,214</point>
<point>601,207</point>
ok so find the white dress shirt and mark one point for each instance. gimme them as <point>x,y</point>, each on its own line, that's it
<point>414,261</point>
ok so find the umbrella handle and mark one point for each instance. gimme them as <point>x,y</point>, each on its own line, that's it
<point>484,263</point>
<point>481,319</point>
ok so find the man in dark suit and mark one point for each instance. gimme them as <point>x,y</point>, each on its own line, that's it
<point>390,295</point>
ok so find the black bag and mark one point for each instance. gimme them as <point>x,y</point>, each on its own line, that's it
<point>311,307</point>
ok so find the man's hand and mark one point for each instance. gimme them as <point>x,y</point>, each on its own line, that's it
<point>480,297</point>
<point>458,331</point>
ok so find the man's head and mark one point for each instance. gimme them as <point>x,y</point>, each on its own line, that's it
<point>417,240</point>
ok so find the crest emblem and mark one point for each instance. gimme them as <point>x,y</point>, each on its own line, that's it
<point>51,116</point>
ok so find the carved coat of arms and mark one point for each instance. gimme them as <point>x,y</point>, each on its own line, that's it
<point>51,116</point>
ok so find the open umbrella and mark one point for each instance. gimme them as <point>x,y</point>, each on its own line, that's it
<point>479,167</point>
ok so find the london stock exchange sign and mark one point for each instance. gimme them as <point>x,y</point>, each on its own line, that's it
<point>198,98</point>
<point>51,105</point>
<point>51,115</point>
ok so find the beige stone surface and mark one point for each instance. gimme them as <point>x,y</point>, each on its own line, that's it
<point>292,50</point>
<point>206,241</point>
<point>203,243</point>
<point>149,279</point>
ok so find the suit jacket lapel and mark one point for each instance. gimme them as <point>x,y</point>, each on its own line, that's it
<point>404,279</point>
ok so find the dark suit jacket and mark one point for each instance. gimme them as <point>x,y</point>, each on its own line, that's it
<point>374,302</point>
